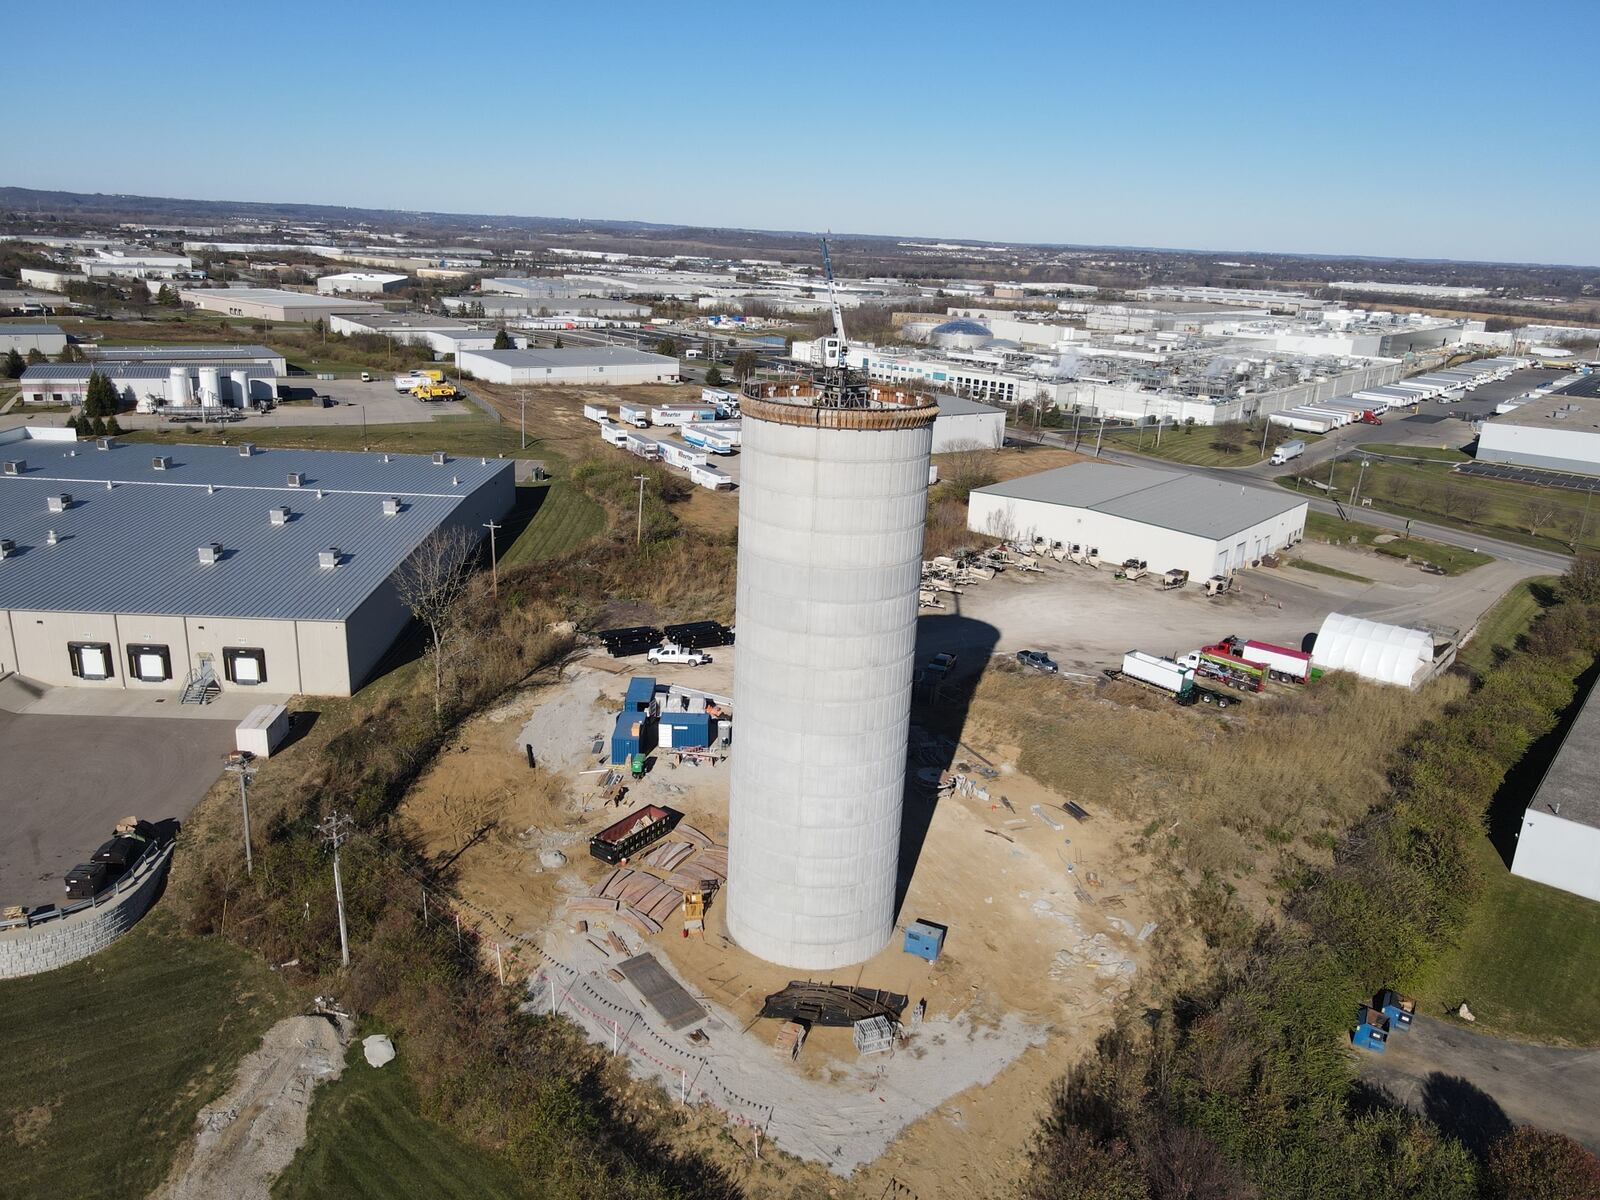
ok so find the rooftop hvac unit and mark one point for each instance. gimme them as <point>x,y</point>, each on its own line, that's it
<point>296,479</point>
<point>59,502</point>
<point>161,462</point>
<point>246,449</point>
<point>16,466</point>
<point>7,547</point>
<point>279,515</point>
<point>391,506</point>
<point>328,559</point>
<point>104,443</point>
<point>211,553</point>
<point>438,458</point>
<point>50,538</point>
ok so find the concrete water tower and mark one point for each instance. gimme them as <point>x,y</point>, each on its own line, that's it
<point>832,503</point>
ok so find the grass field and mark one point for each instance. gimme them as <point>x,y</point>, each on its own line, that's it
<point>365,1139</point>
<point>1452,559</point>
<point>108,1061</point>
<point>467,434</point>
<point>1505,623</point>
<point>1184,445</point>
<point>1549,518</point>
<point>1437,453</point>
<point>1528,962</point>
<point>548,521</point>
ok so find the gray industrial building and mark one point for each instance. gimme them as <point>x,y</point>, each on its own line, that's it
<point>137,566</point>
<point>1560,432</point>
<point>1168,519</point>
<point>23,336</point>
<point>614,366</point>
<point>272,304</point>
<point>192,356</point>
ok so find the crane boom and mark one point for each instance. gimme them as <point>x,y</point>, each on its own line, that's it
<point>833,299</point>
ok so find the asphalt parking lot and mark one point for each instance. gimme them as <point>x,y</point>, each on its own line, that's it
<point>68,780</point>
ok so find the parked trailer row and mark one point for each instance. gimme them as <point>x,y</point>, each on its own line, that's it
<point>1174,678</point>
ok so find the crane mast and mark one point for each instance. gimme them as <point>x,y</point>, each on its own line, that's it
<point>833,299</point>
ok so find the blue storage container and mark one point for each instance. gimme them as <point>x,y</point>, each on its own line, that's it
<point>686,729</point>
<point>925,939</point>
<point>641,694</point>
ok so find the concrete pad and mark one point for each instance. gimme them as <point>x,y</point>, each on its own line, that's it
<point>21,695</point>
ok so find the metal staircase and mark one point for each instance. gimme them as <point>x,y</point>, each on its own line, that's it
<point>202,686</point>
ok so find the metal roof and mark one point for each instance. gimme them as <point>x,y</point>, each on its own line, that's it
<point>960,406</point>
<point>1176,500</point>
<point>133,547</point>
<point>80,372</point>
<point>279,296</point>
<point>578,356</point>
<point>1568,783</point>
<point>18,327</point>
<point>176,354</point>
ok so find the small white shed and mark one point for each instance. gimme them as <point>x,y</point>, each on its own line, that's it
<point>262,731</point>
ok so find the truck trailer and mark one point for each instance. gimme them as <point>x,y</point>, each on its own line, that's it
<point>1163,674</point>
<point>1287,450</point>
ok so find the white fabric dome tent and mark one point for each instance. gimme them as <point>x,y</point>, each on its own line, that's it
<point>1382,653</point>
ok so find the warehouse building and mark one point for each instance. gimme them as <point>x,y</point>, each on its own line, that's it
<point>23,336</point>
<point>191,356</point>
<point>139,567</point>
<point>1168,519</point>
<point>272,304</point>
<point>516,306</point>
<point>152,377</point>
<point>443,336</point>
<point>965,424</point>
<point>1559,842</point>
<point>360,283</point>
<point>609,365</point>
<point>1559,432</point>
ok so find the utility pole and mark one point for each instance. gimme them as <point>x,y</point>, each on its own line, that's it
<point>1099,437</point>
<point>1266,427</point>
<point>494,559</point>
<point>1355,492</point>
<point>335,829</point>
<point>522,421</point>
<point>240,764</point>
<point>638,531</point>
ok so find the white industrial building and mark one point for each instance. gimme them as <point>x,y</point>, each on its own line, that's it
<point>191,355</point>
<point>1168,519</point>
<point>152,386</point>
<point>23,336</point>
<point>143,567</point>
<point>50,279</point>
<point>360,283</point>
<point>965,424</point>
<point>564,307</point>
<point>1559,842</point>
<point>608,365</point>
<point>1374,651</point>
<point>1558,432</point>
<point>833,501</point>
<point>443,336</point>
<point>272,304</point>
<point>133,262</point>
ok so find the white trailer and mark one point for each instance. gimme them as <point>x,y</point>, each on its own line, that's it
<point>634,414</point>
<point>711,438</point>
<point>644,447</point>
<point>715,396</point>
<point>681,414</point>
<point>710,477</point>
<point>1290,449</point>
<point>676,454</point>
<point>1161,673</point>
<point>1280,660</point>
<point>1302,422</point>
<point>614,434</point>
<point>596,412</point>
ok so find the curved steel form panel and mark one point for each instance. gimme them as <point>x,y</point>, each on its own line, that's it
<point>831,511</point>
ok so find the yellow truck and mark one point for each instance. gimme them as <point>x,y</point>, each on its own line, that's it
<point>436,391</point>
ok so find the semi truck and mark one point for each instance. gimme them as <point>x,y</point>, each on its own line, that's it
<point>1281,663</point>
<point>1221,664</point>
<point>1288,450</point>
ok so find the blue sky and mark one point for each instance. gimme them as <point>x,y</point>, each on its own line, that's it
<point>1410,128</point>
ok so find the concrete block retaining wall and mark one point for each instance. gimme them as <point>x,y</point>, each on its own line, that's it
<point>67,939</point>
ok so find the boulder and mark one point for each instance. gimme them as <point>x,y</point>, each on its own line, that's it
<point>378,1049</point>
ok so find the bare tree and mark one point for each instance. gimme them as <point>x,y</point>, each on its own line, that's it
<point>1470,502</point>
<point>431,583</point>
<point>1538,512</point>
<point>967,465</point>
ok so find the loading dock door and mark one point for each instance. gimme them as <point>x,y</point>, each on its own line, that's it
<point>152,664</point>
<point>90,660</point>
<point>244,666</point>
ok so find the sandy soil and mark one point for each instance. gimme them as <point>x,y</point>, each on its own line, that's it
<point>1028,977</point>
<point>247,1138</point>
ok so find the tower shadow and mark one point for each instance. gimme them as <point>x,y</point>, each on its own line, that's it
<point>939,707</point>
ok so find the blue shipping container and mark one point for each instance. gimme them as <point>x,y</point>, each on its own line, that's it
<point>686,729</point>
<point>925,939</point>
<point>641,693</point>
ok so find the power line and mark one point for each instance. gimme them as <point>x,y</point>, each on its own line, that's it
<point>335,829</point>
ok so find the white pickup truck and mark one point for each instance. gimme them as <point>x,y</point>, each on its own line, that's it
<point>669,652</point>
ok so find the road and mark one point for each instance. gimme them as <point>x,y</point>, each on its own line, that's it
<point>1475,1086</point>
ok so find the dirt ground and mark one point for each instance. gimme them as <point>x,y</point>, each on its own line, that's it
<point>1087,619</point>
<point>247,1138</point>
<point>1028,977</point>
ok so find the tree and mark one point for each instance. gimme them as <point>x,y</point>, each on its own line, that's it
<point>1469,501</point>
<point>502,340</point>
<point>431,583</point>
<point>167,298</point>
<point>98,427</point>
<point>558,343</point>
<point>1537,513</point>
<point>967,465</point>
<point>714,377</point>
<point>101,398</point>
<point>744,364</point>
<point>112,427</point>
<point>668,347</point>
<point>35,356</point>
<point>1229,438</point>
<point>1581,583</point>
<point>1532,1164</point>
<point>15,365</point>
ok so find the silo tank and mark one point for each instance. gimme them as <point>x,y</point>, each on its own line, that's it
<point>831,513</point>
<point>210,386</point>
<point>239,391</point>
<point>179,392</point>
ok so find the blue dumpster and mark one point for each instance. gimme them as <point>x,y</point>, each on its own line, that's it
<point>925,939</point>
